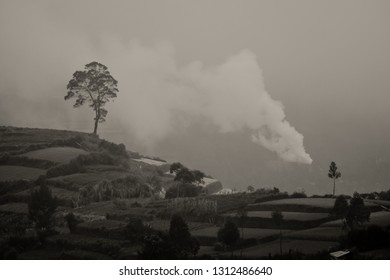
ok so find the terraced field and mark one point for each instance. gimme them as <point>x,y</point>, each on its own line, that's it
<point>318,234</point>
<point>163,225</point>
<point>18,208</point>
<point>56,154</point>
<point>317,205</point>
<point>381,218</point>
<point>303,246</point>
<point>116,211</point>
<point>323,205</point>
<point>257,233</point>
<point>11,173</point>
<point>90,179</point>
<point>298,216</point>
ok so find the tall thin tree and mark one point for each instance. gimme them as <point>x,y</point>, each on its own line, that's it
<point>334,174</point>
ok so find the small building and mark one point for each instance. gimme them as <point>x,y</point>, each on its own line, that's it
<point>339,255</point>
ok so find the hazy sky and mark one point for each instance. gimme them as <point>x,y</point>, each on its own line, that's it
<point>327,62</point>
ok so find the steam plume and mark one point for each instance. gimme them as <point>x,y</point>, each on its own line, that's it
<point>158,94</point>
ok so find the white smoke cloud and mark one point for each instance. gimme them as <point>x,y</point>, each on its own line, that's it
<point>156,95</point>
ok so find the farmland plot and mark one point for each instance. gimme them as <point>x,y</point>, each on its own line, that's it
<point>11,173</point>
<point>256,233</point>
<point>303,246</point>
<point>163,225</point>
<point>114,211</point>
<point>298,216</point>
<point>317,205</point>
<point>318,233</point>
<point>18,208</point>
<point>323,205</point>
<point>57,154</point>
<point>381,218</point>
<point>90,179</point>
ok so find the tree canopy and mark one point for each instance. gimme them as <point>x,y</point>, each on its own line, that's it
<point>358,213</point>
<point>229,234</point>
<point>334,174</point>
<point>340,208</point>
<point>94,86</point>
<point>176,244</point>
<point>185,175</point>
<point>41,208</point>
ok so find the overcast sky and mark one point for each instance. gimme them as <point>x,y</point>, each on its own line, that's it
<point>327,62</point>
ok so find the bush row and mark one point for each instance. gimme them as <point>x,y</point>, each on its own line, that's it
<point>77,165</point>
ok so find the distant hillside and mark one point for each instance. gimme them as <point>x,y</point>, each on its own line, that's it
<point>69,157</point>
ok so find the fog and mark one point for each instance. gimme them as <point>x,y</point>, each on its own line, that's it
<point>156,95</point>
<point>305,80</point>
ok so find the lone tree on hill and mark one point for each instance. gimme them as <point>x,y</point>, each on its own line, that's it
<point>334,174</point>
<point>94,86</point>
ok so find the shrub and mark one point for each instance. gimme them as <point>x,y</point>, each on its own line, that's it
<point>135,230</point>
<point>72,222</point>
<point>136,205</point>
<point>14,186</point>
<point>74,142</point>
<point>199,209</point>
<point>271,196</point>
<point>120,204</point>
<point>183,190</point>
<point>77,165</point>
<point>340,208</point>
<point>358,213</point>
<point>298,195</point>
<point>157,246</point>
<point>384,195</point>
<point>65,169</point>
<point>229,234</point>
<point>115,149</point>
<point>41,208</point>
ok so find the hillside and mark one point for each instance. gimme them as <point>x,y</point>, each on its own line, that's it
<point>106,186</point>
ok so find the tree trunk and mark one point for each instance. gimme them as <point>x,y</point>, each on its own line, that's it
<point>334,186</point>
<point>95,127</point>
<point>280,241</point>
<point>97,117</point>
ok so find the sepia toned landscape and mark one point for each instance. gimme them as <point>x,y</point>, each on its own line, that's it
<point>194,130</point>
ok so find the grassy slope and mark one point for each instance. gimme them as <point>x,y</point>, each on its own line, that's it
<point>56,154</point>
<point>18,138</point>
<point>299,216</point>
<point>307,241</point>
<point>11,172</point>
